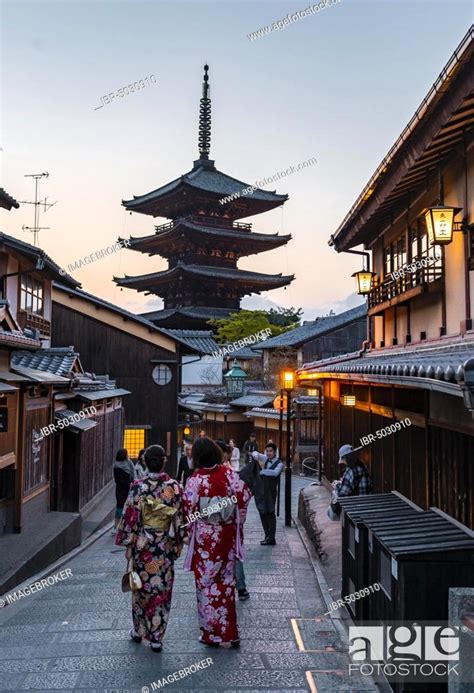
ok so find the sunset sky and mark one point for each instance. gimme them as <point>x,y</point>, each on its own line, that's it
<point>339,86</point>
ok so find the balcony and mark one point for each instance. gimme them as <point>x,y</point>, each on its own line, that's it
<point>217,222</point>
<point>410,284</point>
<point>34,322</point>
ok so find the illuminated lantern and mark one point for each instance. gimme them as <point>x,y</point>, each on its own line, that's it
<point>364,280</point>
<point>439,223</point>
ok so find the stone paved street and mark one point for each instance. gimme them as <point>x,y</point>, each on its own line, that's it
<point>73,636</point>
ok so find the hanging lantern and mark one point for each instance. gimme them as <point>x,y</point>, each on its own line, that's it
<point>348,400</point>
<point>439,223</point>
<point>186,430</point>
<point>364,280</point>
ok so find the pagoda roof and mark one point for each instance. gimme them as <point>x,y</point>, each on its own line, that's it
<point>246,241</point>
<point>256,280</point>
<point>204,182</point>
<point>190,315</point>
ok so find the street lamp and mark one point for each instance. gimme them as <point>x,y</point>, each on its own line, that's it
<point>287,380</point>
<point>234,380</point>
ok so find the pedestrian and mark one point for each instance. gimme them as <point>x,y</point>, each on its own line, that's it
<point>124,474</point>
<point>140,466</point>
<point>185,465</point>
<point>250,446</point>
<point>270,469</point>
<point>202,433</point>
<point>213,547</point>
<point>240,582</point>
<point>234,456</point>
<point>356,479</point>
<point>151,529</point>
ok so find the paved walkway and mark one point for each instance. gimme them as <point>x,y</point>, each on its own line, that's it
<point>73,636</point>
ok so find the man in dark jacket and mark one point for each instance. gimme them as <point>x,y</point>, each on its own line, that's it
<point>185,466</point>
<point>250,446</point>
<point>270,468</point>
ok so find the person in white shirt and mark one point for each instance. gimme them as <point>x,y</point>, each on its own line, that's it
<point>235,456</point>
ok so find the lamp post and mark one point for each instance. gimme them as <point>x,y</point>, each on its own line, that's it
<point>288,384</point>
<point>234,380</point>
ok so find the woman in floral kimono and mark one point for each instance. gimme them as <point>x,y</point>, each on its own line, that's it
<point>151,530</point>
<point>215,542</point>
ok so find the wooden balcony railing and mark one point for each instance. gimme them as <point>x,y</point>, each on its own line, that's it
<point>34,321</point>
<point>421,277</point>
<point>218,222</point>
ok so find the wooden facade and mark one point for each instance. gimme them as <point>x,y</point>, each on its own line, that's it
<point>112,340</point>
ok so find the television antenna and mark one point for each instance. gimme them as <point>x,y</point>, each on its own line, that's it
<point>36,228</point>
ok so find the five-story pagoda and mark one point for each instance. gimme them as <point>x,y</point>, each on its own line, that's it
<point>203,241</point>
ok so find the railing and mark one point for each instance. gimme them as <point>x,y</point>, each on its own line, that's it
<point>421,276</point>
<point>34,322</point>
<point>217,222</point>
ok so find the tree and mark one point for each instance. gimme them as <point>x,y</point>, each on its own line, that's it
<point>285,317</point>
<point>243,324</point>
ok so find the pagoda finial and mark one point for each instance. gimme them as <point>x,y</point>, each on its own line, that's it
<point>205,117</point>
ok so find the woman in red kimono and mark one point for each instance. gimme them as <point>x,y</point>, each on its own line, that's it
<point>215,541</point>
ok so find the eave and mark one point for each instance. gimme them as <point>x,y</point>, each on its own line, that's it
<point>440,128</point>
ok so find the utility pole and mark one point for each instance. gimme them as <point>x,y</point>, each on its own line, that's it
<point>36,228</point>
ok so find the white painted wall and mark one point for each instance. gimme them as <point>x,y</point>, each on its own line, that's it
<point>206,371</point>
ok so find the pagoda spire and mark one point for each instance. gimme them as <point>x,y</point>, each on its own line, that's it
<point>205,118</point>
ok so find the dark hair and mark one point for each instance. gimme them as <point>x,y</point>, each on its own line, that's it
<point>352,460</point>
<point>206,453</point>
<point>155,458</point>
<point>142,452</point>
<point>223,446</point>
<point>272,446</point>
<point>253,434</point>
<point>121,455</point>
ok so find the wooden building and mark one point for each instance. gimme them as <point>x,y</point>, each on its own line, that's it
<point>142,358</point>
<point>26,395</point>
<point>203,240</point>
<point>418,361</point>
<point>320,338</point>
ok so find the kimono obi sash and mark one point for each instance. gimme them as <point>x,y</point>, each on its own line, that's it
<point>156,514</point>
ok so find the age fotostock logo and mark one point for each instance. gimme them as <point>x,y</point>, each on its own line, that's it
<point>408,652</point>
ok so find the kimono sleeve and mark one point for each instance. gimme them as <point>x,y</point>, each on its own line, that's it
<point>191,495</point>
<point>179,518</point>
<point>128,526</point>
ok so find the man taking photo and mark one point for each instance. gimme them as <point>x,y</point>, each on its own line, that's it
<point>270,469</point>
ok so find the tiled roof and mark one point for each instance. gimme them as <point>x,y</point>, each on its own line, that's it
<point>314,329</point>
<point>76,425</point>
<point>229,233</point>
<point>264,413</point>
<point>38,376</point>
<point>246,352</point>
<point>197,312</point>
<point>110,306</point>
<point>34,253</point>
<point>94,395</point>
<point>441,362</point>
<point>57,360</point>
<point>252,401</point>
<point>208,179</point>
<point>18,338</point>
<point>227,273</point>
<point>7,201</point>
<point>201,341</point>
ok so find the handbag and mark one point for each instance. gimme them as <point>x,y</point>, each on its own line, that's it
<point>131,581</point>
<point>224,514</point>
<point>156,514</point>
